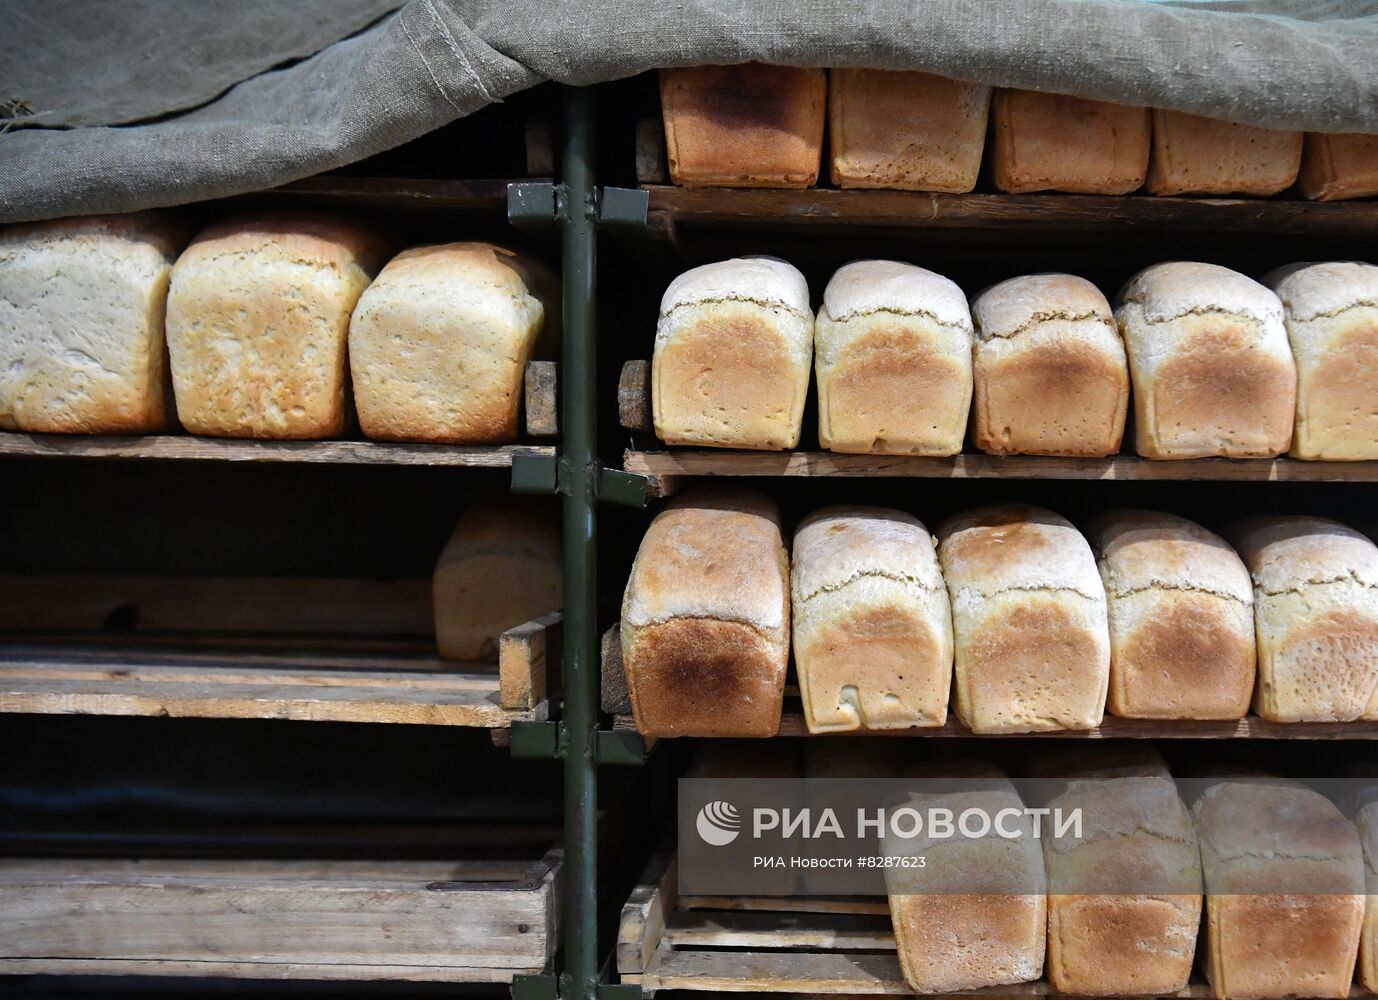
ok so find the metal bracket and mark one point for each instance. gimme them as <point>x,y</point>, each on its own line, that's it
<point>535,474</point>
<point>623,208</point>
<point>533,205</point>
<point>538,987</point>
<point>619,991</point>
<point>624,488</point>
<point>538,740</point>
<point>620,747</point>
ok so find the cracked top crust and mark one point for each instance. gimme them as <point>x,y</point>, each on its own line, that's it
<point>869,286</point>
<point>763,280</point>
<point>1012,306</point>
<point>1289,553</point>
<point>1140,549</point>
<point>1016,547</point>
<point>1179,288</point>
<point>1311,291</point>
<point>836,545</point>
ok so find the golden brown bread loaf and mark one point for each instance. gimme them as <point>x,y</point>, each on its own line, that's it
<point>1052,142</point>
<point>1366,824</point>
<point>81,324</point>
<point>976,914</point>
<point>257,320</point>
<point>732,352</point>
<point>1032,647</point>
<point>1211,366</point>
<point>744,126</point>
<point>438,344</point>
<point>1339,166</point>
<point>893,348</point>
<point>1284,878</point>
<point>1331,315</point>
<point>1181,618</point>
<point>905,130</point>
<point>872,624</point>
<point>499,569</point>
<point>1050,372</point>
<point>1124,898</point>
<point>705,618</point>
<point>1316,618</point>
<point>1195,155</point>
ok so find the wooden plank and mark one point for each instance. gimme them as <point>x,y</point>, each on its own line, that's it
<point>478,195</point>
<point>542,399</point>
<point>651,166</point>
<point>523,667</point>
<point>259,970</point>
<point>642,924</point>
<point>657,465</point>
<point>252,914</point>
<point>614,697</point>
<point>911,209</point>
<point>789,904</point>
<point>634,396</point>
<point>186,448</point>
<point>774,972</point>
<point>780,931</point>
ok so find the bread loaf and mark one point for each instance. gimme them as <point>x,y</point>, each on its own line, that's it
<point>1050,370</point>
<point>744,126</point>
<point>81,324</point>
<point>905,130</point>
<point>1212,370</point>
<point>1366,822</point>
<point>1124,897</point>
<point>1284,882</point>
<point>500,569</point>
<point>438,344</point>
<point>1028,621</point>
<point>1316,617</point>
<point>1195,155</point>
<point>1052,142</point>
<point>732,354</point>
<point>976,914</point>
<point>1331,314</point>
<point>1181,618</point>
<point>1339,166</point>
<point>893,346</point>
<point>705,619</point>
<point>872,624</point>
<point>257,319</point>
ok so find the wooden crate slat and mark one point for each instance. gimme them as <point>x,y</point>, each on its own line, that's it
<point>779,931</point>
<point>789,904</point>
<point>774,972</point>
<point>260,970</point>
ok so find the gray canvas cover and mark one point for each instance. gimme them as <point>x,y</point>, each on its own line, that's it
<point>114,106</point>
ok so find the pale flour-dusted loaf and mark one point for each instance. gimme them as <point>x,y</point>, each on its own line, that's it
<point>81,324</point>
<point>705,619</point>
<point>893,356</point>
<point>1338,166</point>
<point>872,623</point>
<point>1316,618</point>
<point>976,914</point>
<point>1032,647</point>
<point>1050,371</point>
<point>1212,370</point>
<point>1052,142</point>
<point>1284,877</point>
<point>1181,618</point>
<point>500,569</point>
<point>1366,822</point>
<point>750,125</point>
<point>438,344</point>
<point>1331,314</point>
<point>1195,155</point>
<point>905,130</point>
<point>732,353</point>
<point>1124,897</point>
<point>257,324</point>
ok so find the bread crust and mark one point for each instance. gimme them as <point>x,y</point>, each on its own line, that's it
<point>1053,142</point>
<point>1196,155</point>
<point>1050,372</point>
<point>1335,167</point>
<point>706,617</point>
<point>905,130</point>
<point>1212,370</point>
<point>82,305</point>
<point>438,343</point>
<point>748,125</point>
<point>1366,823</point>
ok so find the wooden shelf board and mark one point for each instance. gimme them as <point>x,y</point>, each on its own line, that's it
<point>258,970</point>
<point>398,192</point>
<point>662,467</point>
<point>188,448</point>
<point>823,207</point>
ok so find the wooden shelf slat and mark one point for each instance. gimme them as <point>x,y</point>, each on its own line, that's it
<point>671,206</point>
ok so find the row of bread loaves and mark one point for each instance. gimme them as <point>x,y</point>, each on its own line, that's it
<point>916,131</point>
<point>265,326</point>
<point>1028,625</point>
<point>1220,365</point>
